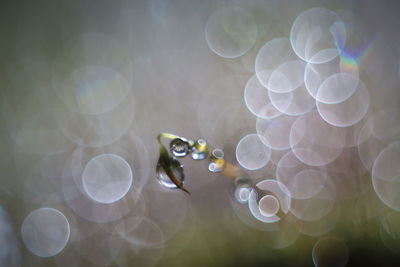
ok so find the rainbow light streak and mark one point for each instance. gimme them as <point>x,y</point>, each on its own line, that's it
<point>351,58</point>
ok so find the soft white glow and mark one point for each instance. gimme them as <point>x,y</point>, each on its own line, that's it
<point>45,232</point>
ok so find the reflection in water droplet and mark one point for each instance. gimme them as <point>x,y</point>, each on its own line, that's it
<point>177,171</point>
<point>179,147</point>
<point>199,150</point>
<point>242,190</point>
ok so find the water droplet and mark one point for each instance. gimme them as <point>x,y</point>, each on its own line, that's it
<point>177,170</point>
<point>199,150</point>
<point>179,147</point>
<point>242,190</point>
<point>242,194</point>
<point>217,163</point>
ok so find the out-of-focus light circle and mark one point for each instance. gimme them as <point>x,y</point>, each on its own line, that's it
<point>302,181</point>
<point>107,178</point>
<point>350,178</point>
<point>321,226</point>
<point>318,35</point>
<point>271,56</point>
<point>251,153</point>
<point>349,112</point>
<point>317,206</point>
<point>381,129</point>
<point>45,232</point>
<point>257,100</point>
<point>231,32</point>
<point>386,175</point>
<point>91,74</point>
<point>90,130</point>
<point>315,142</point>
<point>287,77</point>
<point>268,205</point>
<point>96,89</point>
<point>294,103</point>
<point>80,202</point>
<point>386,125</point>
<point>337,88</point>
<point>330,251</point>
<point>141,232</point>
<point>269,187</point>
<point>386,165</point>
<point>316,74</point>
<point>275,133</point>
